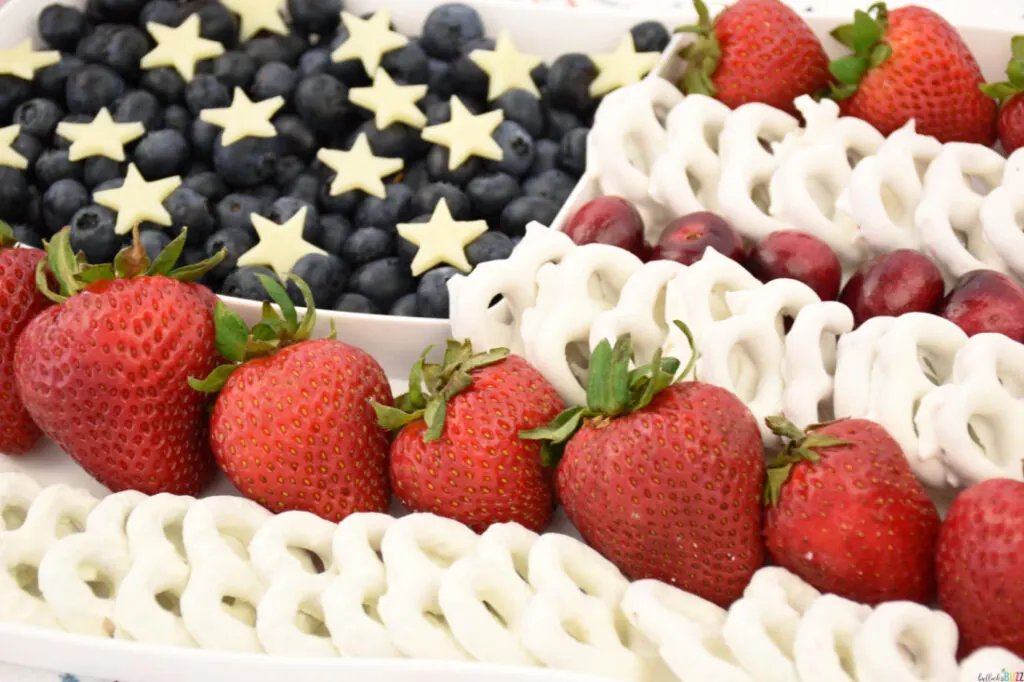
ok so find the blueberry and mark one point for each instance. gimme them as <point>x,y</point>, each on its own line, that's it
<point>523,108</point>
<point>545,156</point>
<point>216,21</point>
<point>276,48</point>
<point>397,140</point>
<point>109,184</point>
<point>93,87</point>
<point>315,17</point>
<point>288,169</point>
<point>314,61</point>
<point>368,244</point>
<point>189,208</point>
<point>206,92</point>
<point>29,146</point>
<point>208,184</point>
<point>415,176</point>
<point>306,187</point>
<point>553,184</point>
<point>296,137</point>
<point>234,211</point>
<point>437,167</point>
<point>489,246</point>
<point>243,283</point>
<point>202,136</point>
<point>386,213</point>
<point>572,153</point>
<point>344,203</point>
<point>274,79</point>
<point>267,193</point>
<point>382,281</point>
<point>523,210</point>
<point>321,100</point>
<point>468,78</point>
<point>115,10</point>
<point>53,165</point>
<point>449,28</point>
<point>33,206</point>
<point>561,122</point>
<point>650,36</point>
<point>140,106</point>
<point>153,241</point>
<point>13,91</point>
<point>119,46</point>
<point>539,74</point>
<point>489,194</point>
<point>176,117</point>
<point>432,292</point>
<point>235,69</point>
<point>166,83</point>
<point>14,190</point>
<point>334,232</point>
<point>100,169</point>
<point>62,27</point>
<point>92,231</point>
<point>159,12</point>
<point>248,162</point>
<point>405,307</point>
<point>355,303</point>
<point>237,241</point>
<point>162,153</point>
<point>426,199</point>
<point>407,64</point>
<point>517,149</point>
<point>326,276</point>
<point>285,208</point>
<point>569,79</point>
<point>38,117</point>
<point>23,234</point>
<point>439,78</point>
<point>50,82</point>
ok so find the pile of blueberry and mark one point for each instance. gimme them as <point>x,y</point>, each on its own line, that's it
<point>367,266</point>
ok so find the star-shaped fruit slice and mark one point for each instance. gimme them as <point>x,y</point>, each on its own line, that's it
<point>280,246</point>
<point>466,135</point>
<point>181,47</point>
<point>258,15</point>
<point>21,61</point>
<point>622,67</point>
<point>506,67</point>
<point>390,102</point>
<point>9,156</point>
<point>100,137</point>
<point>138,200</point>
<point>244,118</point>
<point>368,39</point>
<point>358,168</point>
<point>441,240</point>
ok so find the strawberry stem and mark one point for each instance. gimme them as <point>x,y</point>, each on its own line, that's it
<point>702,56</point>
<point>800,446</point>
<point>1014,84</point>
<point>865,37</point>
<point>7,239</point>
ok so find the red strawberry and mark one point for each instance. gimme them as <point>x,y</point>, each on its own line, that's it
<point>458,453</point>
<point>1010,95</point>
<point>20,301</point>
<point>980,563</point>
<point>105,373</point>
<point>293,426</point>
<point>754,51</point>
<point>663,479</point>
<point>847,515</point>
<point>911,63</point>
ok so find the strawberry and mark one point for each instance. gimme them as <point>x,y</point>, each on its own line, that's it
<point>754,51</point>
<point>292,426</point>
<point>458,452</point>
<point>664,479</point>
<point>979,565</point>
<point>1010,95</point>
<point>846,514</point>
<point>911,63</point>
<point>20,301</point>
<point>104,373</point>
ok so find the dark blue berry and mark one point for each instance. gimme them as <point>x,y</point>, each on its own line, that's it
<point>235,69</point>
<point>572,155</point>
<point>176,117</point>
<point>489,246</point>
<point>539,74</point>
<point>386,213</point>
<point>166,83</point>
<point>206,92</point>
<point>553,184</point>
<point>489,194</point>
<point>334,230</point>
<point>296,137</point>
<point>284,208</point>
<point>38,117</point>
<point>545,156</point>
<point>405,307</point>
<point>469,79</point>
<point>53,165</point>
<point>13,91</point>
<point>326,276</point>
<point>119,46</point>
<point>109,184</point>
<point>289,168</point>
<point>275,48</point>
<point>321,100</point>
<point>100,169</point>
<point>92,231</point>
<point>13,194</point>
<point>368,244</point>
<point>153,241</point>
<point>315,17</point>
<point>306,187</point>
<point>650,36</point>
<point>202,136</point>
<point>236,241</point>
<point>439,78</point>
<point>568,82</point>
<point>382,281</point>
<point>248,162</point>
<point>437,167</point>
<point>432,292</point>
<point>272,80</point>
<point>524,210</point>
<point>397,140</point>
<point>355,303</point>
<point>29,146</point>
<point>216,21</point>
<point>267,193</point>
<point>428,196</point>
<point>50,82</point>
<point>516,147</point>
<point>415,176</point>
<point>314,61</point>
<point>407,64</point>
<point>523,108</point>
<point>162,153</point>
<point>344,203</point>
<point>23,234</point>
<point>235,210</point>
<point>208,184</point>
<point>189,208</point>
<point>140,106</point>
<point>243,283</point>
<point>561,122</point>
<point>62,27</point>
<point>93,87</point>
<point>449,28</point>
<point>115,10</point>
<point>33,206</point>
<point>159,12</point>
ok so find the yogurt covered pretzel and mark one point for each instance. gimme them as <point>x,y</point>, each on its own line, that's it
<point>998,215</point>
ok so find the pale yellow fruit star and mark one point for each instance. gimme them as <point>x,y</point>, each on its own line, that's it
<point>21,61</point>
<point>9,156</point>
<point>181,47</point>
<point>258,15</point>
<point>622,67</point>
<point>441,240</point>
<point>358,168</point>
<point>466,135</point>
<point>506,67</point>
<point>368,39</point>
<point>390,102</point>
<point>280,246</point>
<point>101,137</point>
<point>244,118</point>
<point>138,200</point>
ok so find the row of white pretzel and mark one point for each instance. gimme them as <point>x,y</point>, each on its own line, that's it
<point>837,178</point>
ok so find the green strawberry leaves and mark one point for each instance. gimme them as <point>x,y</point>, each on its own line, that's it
<point>7,239</point>
<point>442,382</point>
<point>865,37</point>
<point>800,446</point>
<point>1014,83</point>
<point>702,56</point>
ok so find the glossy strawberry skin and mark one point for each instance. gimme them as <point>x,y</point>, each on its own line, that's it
<point>480,472</point>
<point>105,375</point>
<point>296,431</point>
<point>980,563</point>
<point>931,77</point>
<point>673,491</point>
<point>1011,123</point>
<point>769,55</point>
<point>20,301</point>
<point>858,523</point>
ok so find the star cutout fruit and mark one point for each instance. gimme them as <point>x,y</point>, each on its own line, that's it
<point>442,239</point>
<point>358,168</point>
<point>622,67</point>
<point>138,200</point>
<point>368,39</point>
<point>21,61</point>
<point>101,137</point>
<point>466,135</point>
<point>390,102</point>
<point>9,156</point>
<point>181,47</point>
<point>506,67</point>
<point>258,15</point>
<point>244,118</point>
<point>280,246</point>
